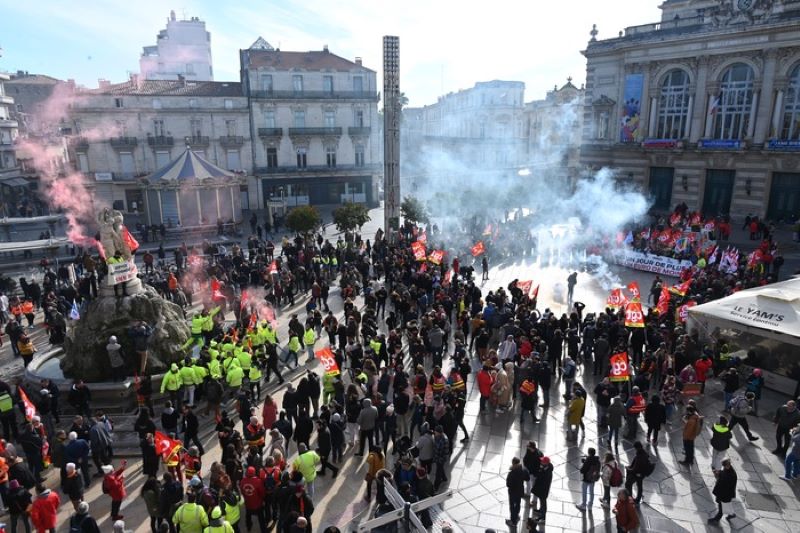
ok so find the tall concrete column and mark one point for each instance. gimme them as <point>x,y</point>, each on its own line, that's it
<point>775,130</point>
<point>652,118</point>
<point>763,118</point>
<point>709,118</point>
<point>391,135</point>
<point>751,124</point>
<point>689,114</point>
<point>698,112</point>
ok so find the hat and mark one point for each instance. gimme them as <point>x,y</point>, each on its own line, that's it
<point>337,417</point>
<point>112,339</point>
<point>174,367</point>
<point>216,512</point>
<point>545,460</point>
<point>251,471</point>
<point>196,481</point>
<point>44,392</point>
<point>107,469</point>
<point>83,508</point>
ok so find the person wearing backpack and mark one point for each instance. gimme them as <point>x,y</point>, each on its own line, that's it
<point>640,468</point>
<point>590,472</point>
<point>82,521</point>
<point>740,406</point>
<point>611,476</point>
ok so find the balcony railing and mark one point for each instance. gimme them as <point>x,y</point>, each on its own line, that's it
<point>123,142</point>
<point>270,132</point>
<point>79,143</point>
<point>316,131</point>
<point>316,95</point>
<point>161,141</point>
<point>359,130</point>
<point>198,141</point>
<point>316,168</point>
<point>231,140</point>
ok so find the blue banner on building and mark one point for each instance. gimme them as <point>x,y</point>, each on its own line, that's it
<point>786,146</point>
<point>720,144</point>
<point>630,121</point>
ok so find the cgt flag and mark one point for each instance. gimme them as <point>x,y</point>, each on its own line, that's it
<point>328,361</point>
<point>634,315</point>
<point>478,249</point>
<point>619,368</point>
<point>448,276</point>
<point>616,299</point>
<point>165,446</point>
<point>419,251</point>
<point>683,311</point>
<point>663,302</point>
<point>525,286</point>
<point>681,289</point>
<point>30,409</point>
<point>436,257</point>
<point>633,287</point>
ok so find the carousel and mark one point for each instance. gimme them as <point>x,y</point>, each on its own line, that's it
<point>190,191</point>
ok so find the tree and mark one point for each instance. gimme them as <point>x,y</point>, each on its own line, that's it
<point>304,219</point>
<point>413,210</point>
<point>350,216</point>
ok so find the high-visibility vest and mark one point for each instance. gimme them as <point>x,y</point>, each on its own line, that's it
<point>438,384</point>
<point>456,382</point>
<point>191,465</point>
<point>639,404</point>
<point>244,359</point>
<point>294,343</point>
<point>214,369</point>
<point>235,376</point>
<point>527,388</point>
<point>6,403</point>
<point>226,527</point>
<point>187,375</point>
<point>197,324</point>
<point>254,373</point>
<point>309,337</point>
<point>375,345</point>
<point>27,308</point>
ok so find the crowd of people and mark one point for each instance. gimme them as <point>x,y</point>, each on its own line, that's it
<point>407,345</point>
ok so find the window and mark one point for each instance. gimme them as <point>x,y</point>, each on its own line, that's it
<point>266,83</point>
<point>126,164</point>
<point>121,127</point>
<point>228,103</point>
<point>162,158</point>
<point>83,162</point>
<point>233,160</point>
<point>196,126</point>
<point>791,108</point>
<point>193,102</point>
<point>269,118</point>
<point>299,119</point>
<point>302,161</point>
<point>19,108</point>
<point>358,84</point>
<point>731,108</point>
<point>330,119</point>
<point>158,128</point>
<point>330,157</point>
<point>673,106</point>
<point>327,84</point>
<point>230,128</point>
<point>359,155</point>
<point>297,83</point>
<point>272,157</point>
<point>358,118</point>
<point>156,103</point>
<point>117,102</point>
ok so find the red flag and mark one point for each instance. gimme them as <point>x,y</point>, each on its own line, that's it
<point>535,293</point>
<point>216,294</point>
<point>755,258</point>
<point>129,239</point>
<point>478,249</point>
<point>681,289</point>
<point>616,299</point>
<point>695,219</point>
<point>165,446</point>
<point>448,276</point>
<point>663,302</point>
<point>424,267</point>
<point>253,322</point>
<point>525,286</point>
<point>327,360</point>
<point>634,315</point>
<point>683,311</point>
<point>419,251</point>
<point>633,287</point>
<point>436,257</point>
<point>619,369</point>
<point>674,219</point>
<point>244,300</point>
<point>30,409</point>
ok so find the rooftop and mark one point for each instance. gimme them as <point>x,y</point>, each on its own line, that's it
<point>312,60</point>
<point>24,78</point>
<point>136,87</point>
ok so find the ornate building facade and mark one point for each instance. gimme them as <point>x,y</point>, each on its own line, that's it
<point>702,107</point>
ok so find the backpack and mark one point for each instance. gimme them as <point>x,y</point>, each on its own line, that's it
<point>269,482</point>
<point>76,526</point>
<point>616,477</point>
<point>569,371</point>
<point>739,406</point>
<point>649,468</point>
<point>594,473</point>
<point>106,489</point>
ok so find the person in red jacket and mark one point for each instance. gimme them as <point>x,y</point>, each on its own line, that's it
<point>485,382</point>
<point>702,367</point>
<point>114,486</point>
<point>252,487</point>
<point>44,510</point>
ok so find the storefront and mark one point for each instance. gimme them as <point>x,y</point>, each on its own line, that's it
<point>332,190</point>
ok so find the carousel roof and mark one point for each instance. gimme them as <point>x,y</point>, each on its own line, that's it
<point>188,167</point>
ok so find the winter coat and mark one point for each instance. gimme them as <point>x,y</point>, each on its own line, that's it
<point>627,518</point>
<point>720,437</point>
<point>615,413</point>
<point>515,481</point>
<point>575,410</point>
<point>544,478</point>
<point>655,415</point>
<point>44,511</point>
<point>691,427</point>
<point>725,487</point>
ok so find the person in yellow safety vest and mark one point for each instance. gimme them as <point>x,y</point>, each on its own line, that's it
<point>214,368</point>
<point>192,463</point>
<point>334,262</point>
<point>115,259</point>
<point>437,381</point>
<point>456,382</point>
<point>375,344</point>
<point>173,464</point>
<point>190,517</point>
<point>254,377</point>
<point>227,346</point>
<point>200,373</point>
<point>306,463</point>
<point>232,503</point>
<point>292,349</point>
<point>234,376</point>
<point>171,384</point>
<point>213,348</point>
<point>217,524</point>
<point>270,335</point>
<point>189,381</point>
<point>228,362</point>
<point>309,338</point>
<point>328,389</point>
<point>244,358</point>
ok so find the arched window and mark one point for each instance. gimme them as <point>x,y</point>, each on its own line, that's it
<point>731,107</point>
<point>673,106</point>
<point>791,108</point>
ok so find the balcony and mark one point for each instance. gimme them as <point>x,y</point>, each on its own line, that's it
<point>79,144</point>
<point>8,100</point>
<point>270,132</point>
<point>123,142</point>
<point>315,131</point>
<point>231,140</point>
<point>316,95</point>
<point>316,169</point>
<point>198,141</point>
<point>7,123</point>
<point>359,130</point>
<point>161,141</point>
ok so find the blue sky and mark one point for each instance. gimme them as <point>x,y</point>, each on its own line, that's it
<point>445,45</point>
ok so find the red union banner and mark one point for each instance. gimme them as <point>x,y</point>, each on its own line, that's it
<point>447,277</point>
<point>683,311</point>
<point>619,369</point>
<point>436,257</point>
<point>663,302</point>
<point>681,289</point>
<point>478,249</point>
<point>634,316</point>
<point>30,409</point>
<point>419,251</point>
<point>616,299</point>
<point>165,445</point>
<point>525,286</point>
<point>327,360</point>
<point>633,287</point>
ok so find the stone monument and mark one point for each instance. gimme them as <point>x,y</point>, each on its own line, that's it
<point>85,345</point>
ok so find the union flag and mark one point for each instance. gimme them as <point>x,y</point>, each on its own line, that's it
<point>663,302</point>
<point>681,289</point>
<point>165,446</point>
<point>478,249</point>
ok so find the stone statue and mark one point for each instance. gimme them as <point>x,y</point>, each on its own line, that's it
<point>111,233</point>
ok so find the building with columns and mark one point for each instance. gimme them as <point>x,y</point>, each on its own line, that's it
<point>702,107</point>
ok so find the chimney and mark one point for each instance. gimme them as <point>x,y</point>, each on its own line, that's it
<point>103,83</point>
<point>172,15</point>
<point>358,61</point>
<point>71,84</point>
<point>325,48</point>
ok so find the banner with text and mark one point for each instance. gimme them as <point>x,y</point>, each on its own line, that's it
<point>658,264</point>
<point>121,272</point>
